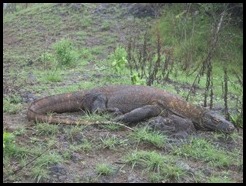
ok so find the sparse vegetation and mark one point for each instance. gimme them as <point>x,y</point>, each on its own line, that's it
<point>67,47</point>
<point>203,150</point>
<point>144,134</point>
<point>163,167</point>
<point>119,60</point>
<point>104,169</point>
<point>111,142</point>
<point>46,129</point>
<point>12,105</point>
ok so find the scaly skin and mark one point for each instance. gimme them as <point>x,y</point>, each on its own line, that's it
<point>135,103</point>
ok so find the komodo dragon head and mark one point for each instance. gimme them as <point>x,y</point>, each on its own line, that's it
<point>213,121</point>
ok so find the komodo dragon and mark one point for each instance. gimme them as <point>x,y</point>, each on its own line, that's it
<point>134,103</point>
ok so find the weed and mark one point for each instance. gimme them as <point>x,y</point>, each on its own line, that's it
<point>74,133</point>
<point>65,53</point>
<point>86,22</point>
<point>151,160</point>
<point>48,158</point>
<point>164,167</point>
<point>10,148</point>
<point>20,131</point>
<point>104,169</point>
<point>11,105</point>
<point>172,172</point>
<point>237,119</point>
<point>8,141</point>
<point>39,173</point>
<point>86,146</point>
<point>218,179</point>
<point>201,149</point>
<point>105,26</point>
<point>111,127</point>
<point>144,134</point>
<point>86,54</point>
<point>119,59</point>
<point>95,117</point>
<point>53,76</point>
<point>136,80</point>
<point>47,58</point>
<point>46,129</point>
<point>110,142</point>
<point>155,177</point>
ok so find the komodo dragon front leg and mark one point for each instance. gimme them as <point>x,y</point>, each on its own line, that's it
<point>139,114</point>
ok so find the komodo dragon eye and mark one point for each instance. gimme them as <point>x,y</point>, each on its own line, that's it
<point>215,120</point>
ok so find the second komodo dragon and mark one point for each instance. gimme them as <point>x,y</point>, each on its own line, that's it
<point>132,103</point>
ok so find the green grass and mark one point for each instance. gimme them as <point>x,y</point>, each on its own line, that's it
<point>40,166</point>
<point>12,104</point>
<point>214,179</point>
<point>111,142</point>
<point>104,169</point>
<point>85,146</point>
<point>93,117</point>
<point>51,76</point>
<point>202,150</point>
<point>20,131</point>
<point>23,155</point>
<point>8,141</point>
<point>74,133</point>
<point>158,167</point>
<point>46,129</point>
<point>145,135</point>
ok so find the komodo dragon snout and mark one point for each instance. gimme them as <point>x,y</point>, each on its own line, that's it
<point>214,121</point>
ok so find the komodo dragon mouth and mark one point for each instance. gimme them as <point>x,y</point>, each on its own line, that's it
<point>213,121</point>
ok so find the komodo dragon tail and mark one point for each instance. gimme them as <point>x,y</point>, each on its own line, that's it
<point>68,102</point>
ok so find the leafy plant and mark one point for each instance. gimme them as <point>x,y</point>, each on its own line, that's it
<point>8,141</point>
<point>47,57</point>
<point>65,52</point>
<point>136,80</point>
<point>237,119</point>
<point>119,59</point>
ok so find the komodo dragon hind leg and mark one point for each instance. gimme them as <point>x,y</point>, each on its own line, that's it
<point>139,114</point>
